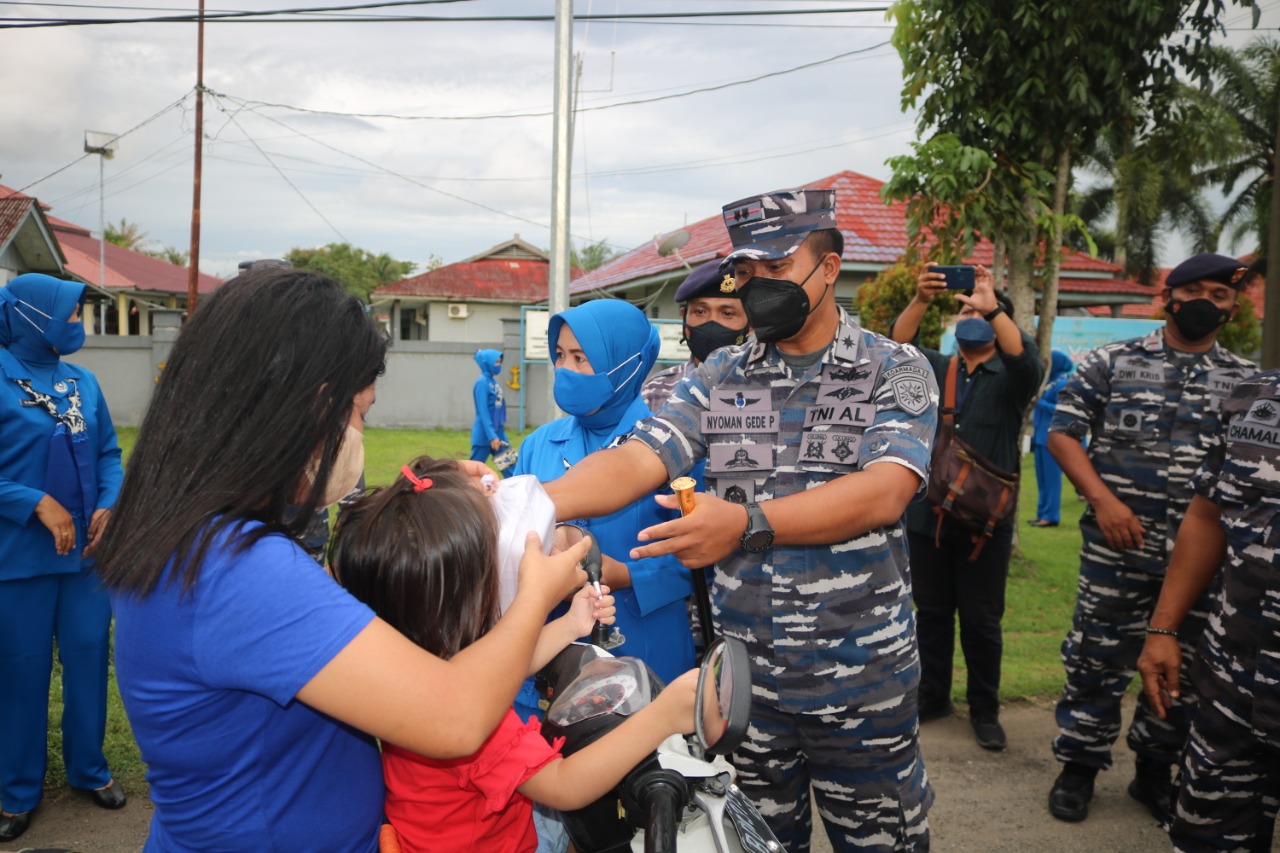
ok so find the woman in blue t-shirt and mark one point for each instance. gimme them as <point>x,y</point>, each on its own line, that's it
<point>255,685</point>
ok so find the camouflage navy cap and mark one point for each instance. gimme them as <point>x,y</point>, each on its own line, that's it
<point>1207,265</point>
<point>707,282</point>
<point>773,225</point>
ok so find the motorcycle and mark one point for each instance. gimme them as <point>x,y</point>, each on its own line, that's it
<point>683,796</point>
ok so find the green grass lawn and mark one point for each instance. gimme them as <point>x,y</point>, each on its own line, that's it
<point>1041,595</point>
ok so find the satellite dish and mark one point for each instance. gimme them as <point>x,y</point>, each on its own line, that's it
<point>673,243</point>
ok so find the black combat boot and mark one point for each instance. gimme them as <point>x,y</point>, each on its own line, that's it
<point>1152,786</point>
<point>1072,791</point>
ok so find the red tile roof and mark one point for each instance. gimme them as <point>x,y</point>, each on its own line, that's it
<point>487,279</point>
<point>874,233</point>
<point>126,269</point>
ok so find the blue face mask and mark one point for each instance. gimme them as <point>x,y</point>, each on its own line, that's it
<point>974,333</point>
<point>63,336</point>
<point>583,393</point>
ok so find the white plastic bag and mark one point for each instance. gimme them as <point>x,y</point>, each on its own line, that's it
<point>521,505</point>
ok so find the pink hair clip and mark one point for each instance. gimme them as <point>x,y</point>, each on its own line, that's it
<point>419,483</point>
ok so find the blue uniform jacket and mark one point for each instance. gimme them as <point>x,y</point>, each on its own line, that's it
<point>651,614</point>
<point>26,545</point>
<point>491,409</point>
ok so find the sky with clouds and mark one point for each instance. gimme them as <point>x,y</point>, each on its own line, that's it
<point>422,138</point>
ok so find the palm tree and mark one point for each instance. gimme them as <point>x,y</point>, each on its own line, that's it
<point>1240,102</point>
<point>1149,190</point>
<point>126,234</point>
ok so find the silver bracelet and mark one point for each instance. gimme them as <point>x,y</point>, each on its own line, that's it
<point>1165,631</point>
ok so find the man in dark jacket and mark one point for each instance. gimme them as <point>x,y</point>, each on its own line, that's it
<point>998,374</point>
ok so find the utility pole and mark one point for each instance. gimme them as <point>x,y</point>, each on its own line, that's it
<point>561,154</point>
<point>1271,321</point>
<point>193,269</point>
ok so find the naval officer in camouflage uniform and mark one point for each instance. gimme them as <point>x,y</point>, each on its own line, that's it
<point>1151,408</point>
<point>1230,778</point>
<point>712,316</point>
<point>816,435</point>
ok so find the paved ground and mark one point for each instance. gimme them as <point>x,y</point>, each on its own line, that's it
<point>989,802</point>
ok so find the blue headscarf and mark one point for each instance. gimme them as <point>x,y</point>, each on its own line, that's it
<point>33,312</point>
<point>1059,364</point>
<point>22,326</point>
<point>620,342</point>
<point>489,359</point>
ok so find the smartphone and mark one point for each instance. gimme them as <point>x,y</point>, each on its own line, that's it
<point>958,277</point>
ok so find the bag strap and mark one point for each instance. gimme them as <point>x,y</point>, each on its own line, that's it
<point>949,396</point>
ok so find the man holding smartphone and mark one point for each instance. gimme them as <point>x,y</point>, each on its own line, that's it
<point>998,373</point>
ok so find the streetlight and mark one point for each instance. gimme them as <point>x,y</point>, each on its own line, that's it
<point>104,145</point>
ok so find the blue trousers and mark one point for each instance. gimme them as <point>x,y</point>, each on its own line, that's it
<point>481,453</point>
<point>74,610</point>
<point>1048,485</point>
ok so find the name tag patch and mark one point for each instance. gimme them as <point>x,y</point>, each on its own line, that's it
<point>1136,368</point>
<point>839,448</point>
<point>738,421</point>
<point>1260,427</point>
<point>740,457</point>
<point>861,415</point>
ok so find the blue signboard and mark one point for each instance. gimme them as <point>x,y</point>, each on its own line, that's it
<point>1076,336</point>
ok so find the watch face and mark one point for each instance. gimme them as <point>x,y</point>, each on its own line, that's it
<point>758,541</point>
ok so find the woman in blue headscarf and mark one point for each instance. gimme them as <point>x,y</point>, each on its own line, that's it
<point>604,350</point>
<point>489,430</point>
<point>1048,472</point>
<point>59,476</point>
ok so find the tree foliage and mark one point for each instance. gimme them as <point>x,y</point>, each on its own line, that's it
<point>1241,103</point>
<point>1147,190</point>
<point>881,300</point>
<point>169,254</point>
<point>591,255</point>
<point>360,271</point>
<point>1028,83</point>
<point>126,234</point>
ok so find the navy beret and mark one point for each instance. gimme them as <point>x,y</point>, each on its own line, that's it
<point>1207,265</point>
<point>707,282</point>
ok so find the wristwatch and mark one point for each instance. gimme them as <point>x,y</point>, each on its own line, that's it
<point>993,313</point>
<point>758,536</point>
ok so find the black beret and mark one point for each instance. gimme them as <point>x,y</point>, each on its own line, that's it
<point>1207,265</point>
<point>707,282</point>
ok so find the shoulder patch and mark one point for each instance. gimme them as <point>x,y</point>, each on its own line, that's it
<point>910,384</point>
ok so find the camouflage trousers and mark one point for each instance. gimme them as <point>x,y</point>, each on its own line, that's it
<point>865,768</point>
<point>1229,788</point>
<point>1100,655</point>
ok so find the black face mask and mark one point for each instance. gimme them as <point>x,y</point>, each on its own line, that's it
<point>710,336</point>
<point>1196,319</point>
<point>777,308</point>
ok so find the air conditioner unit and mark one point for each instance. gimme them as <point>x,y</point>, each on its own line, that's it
<point>459,310</point>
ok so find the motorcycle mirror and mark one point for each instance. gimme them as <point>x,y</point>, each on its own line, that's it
<point>722,707</point>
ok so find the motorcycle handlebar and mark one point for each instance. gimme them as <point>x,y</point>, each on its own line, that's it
<point>663,799</point>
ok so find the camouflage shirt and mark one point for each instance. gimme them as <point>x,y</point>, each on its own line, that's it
<point>657,388</point>
<point>828,626</point>
<point>1241,645</point>
<point>1151,414</point>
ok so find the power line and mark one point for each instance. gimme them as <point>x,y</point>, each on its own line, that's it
<point>137,126</point>
<point>493,116</point>
<point>272,17</point>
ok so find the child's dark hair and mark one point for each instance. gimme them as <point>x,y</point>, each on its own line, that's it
<point>424,560</point>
